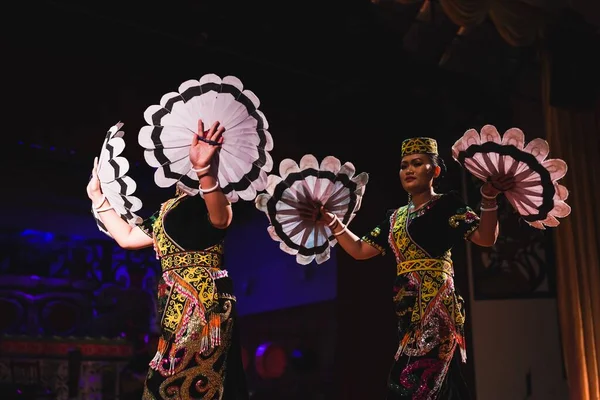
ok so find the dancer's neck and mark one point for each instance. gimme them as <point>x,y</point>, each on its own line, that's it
<point>419,199</point>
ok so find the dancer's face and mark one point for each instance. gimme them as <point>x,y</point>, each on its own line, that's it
<point>417,173</point>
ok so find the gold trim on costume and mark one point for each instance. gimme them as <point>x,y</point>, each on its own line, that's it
<point>467,216</point>
<point>419,145</point>
<point>184,259</point>
<point>368,240</point>
<point>425,264</point>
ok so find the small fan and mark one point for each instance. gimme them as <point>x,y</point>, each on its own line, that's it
<point>242,162</point>
<point>117,187</point>
<point>536,196</point>
<point>300,191</point>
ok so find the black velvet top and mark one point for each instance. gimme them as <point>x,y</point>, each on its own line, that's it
<point>187,223</point>
<point>434,228</point>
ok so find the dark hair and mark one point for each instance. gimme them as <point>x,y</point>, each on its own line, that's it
<point>438,161</point>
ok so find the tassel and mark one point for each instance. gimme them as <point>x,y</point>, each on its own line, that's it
<point>211,333</point>
<point>460,339</point>
<point>172,359</point>
<point>156,360</point>
<point>162,348</point>
<point>215,329</point>
<point>402,346</point>
<point>204,344</point>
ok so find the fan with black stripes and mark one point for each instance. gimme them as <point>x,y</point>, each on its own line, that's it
<point>243,160</point>
<point>536,195</point>
<point>294,198</point>
<point>116,186</point>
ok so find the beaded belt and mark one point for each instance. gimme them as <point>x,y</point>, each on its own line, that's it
<point>425,264</point>
<point>190,259</point>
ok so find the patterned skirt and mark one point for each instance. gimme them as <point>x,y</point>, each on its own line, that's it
<point>193,370</point>
<point>428,366</point>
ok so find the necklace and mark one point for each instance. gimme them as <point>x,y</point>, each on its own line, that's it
<point>411,205</point>
<point>423,208</point>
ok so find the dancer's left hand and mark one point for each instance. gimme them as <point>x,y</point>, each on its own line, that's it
<point>202,151</point>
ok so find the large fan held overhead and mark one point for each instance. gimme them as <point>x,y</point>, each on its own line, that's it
<point>243,161</point>
<point>116,186</point>
<point>299,192</point>
<point>536,196</point>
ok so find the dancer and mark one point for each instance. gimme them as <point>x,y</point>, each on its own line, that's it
<point>421,235</point>
<point>198,352</point>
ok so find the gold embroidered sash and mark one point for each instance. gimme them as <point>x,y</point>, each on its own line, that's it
<point>425,264</point>
<point>210,259</point>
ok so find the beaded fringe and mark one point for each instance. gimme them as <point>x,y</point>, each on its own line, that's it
<point>209,339</point>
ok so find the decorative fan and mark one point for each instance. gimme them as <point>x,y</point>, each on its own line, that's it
<point>117,187</point>
<point>536,196</point>
<point>242,162</point>
<point>299,193</point>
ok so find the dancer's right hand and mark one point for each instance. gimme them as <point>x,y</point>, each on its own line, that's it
<point>325,216</point>
<point>93,187</point>
<point>497,184</point>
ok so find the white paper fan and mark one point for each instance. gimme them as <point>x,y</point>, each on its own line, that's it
<point>306,187</point>
<point>242,162</point>
<point>117,187</point>
<point>537,196</point>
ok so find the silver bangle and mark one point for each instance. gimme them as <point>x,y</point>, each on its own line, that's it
<point>489,209</point>
<point>340,232</point>
<point>486,196</point>
<point>212,189</point>
<point>101,202</point>
<point>201,169</point>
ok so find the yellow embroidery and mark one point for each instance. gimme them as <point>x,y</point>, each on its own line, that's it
<point>469,217</point>
<point>408,250</point>
<point>162,243</point>
<point>211,257</point>
<point>419,145</point>
<point>366,239</point>
<point>470,231</point>
<point>453,221</point>
<point>426,264</point>
<point>174,311</point>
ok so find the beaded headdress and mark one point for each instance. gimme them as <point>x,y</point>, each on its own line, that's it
<point>419,145</point>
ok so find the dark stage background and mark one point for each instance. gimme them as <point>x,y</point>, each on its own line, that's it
<point>350,79</point>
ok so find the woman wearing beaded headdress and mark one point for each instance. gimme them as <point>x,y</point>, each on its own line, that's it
<point>421,234</point>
